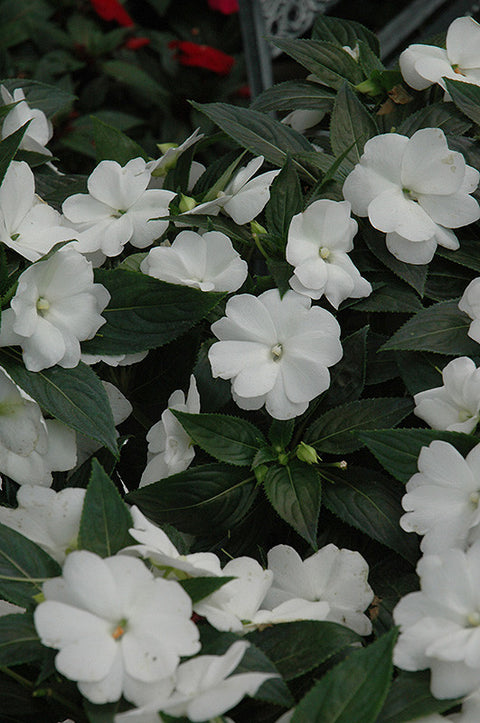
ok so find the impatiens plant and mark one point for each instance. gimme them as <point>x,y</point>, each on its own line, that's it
<point>239,397</point>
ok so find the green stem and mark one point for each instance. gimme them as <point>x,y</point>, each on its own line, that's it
<point>259,246</point>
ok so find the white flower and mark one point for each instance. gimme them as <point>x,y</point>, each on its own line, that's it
<point>330,575</point>
<point>276,351</point>
<point>27,224</point>
<point>56,306</point>
<point>114,360</point>
<point>204,689</point>
<point>455,406</point>
<point>117,627</point>
<point>442,500</point>
<point>415,190</point>
<point>40,130</point>
<point>50,519</point>
<point>319,240</point>
<point>302,120</point>
<point>440,625</point>
<point>7,608</point>
<point>170,449</point>
<point>30,446</point>
<point>118,208</point>
<point>168,160</point>
<point>470,304</point>
<point>207,262</point>
<point>422,65</point>
<point>160,550</point>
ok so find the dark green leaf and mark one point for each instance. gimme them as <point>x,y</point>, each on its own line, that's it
<point>281,432</point>
<point>410,698</point>
<point>381,365</point>
<point>55,189</point>
<point>199,587</point>
<point>337,430</point>
<point>444,282</point>
<point>397,450</point>
<point>467,255</point>
<point>466,96</point>
<point>368,501</point>
<point>439,115</point>
<point>113,145</point>
<point>393,297</point>
<point>101,713</point>
<point>24,567</point>
<point>263,456</point>
<point>228,439</point>
<point>413,275</point>
<point>8,148</point>
<point>138,79</point>
<point>47,98</point>
<point>344,32</point>
<point>19,641</point>
<point>328,62</point>
<point>441,328</point>
<point>296,648</point>
<point>351,123</point>
<point>257,132</point>
<point>105,517</point>
<point>348,376</point>
<point>294,491</point>
<point>145,313</point>
<point>369,61</point>
<point>74,396</point>
<point>203,500</point>
<point>286,200</point>
<point>295,94</point>
<point>420,370</point>
<point>281,272</point>
<point>352,691</point>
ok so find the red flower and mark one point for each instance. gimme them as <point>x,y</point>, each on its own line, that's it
<point>227,7</point>
<point>202,56</point>
<point>112,10</point>
<point>136,43</point>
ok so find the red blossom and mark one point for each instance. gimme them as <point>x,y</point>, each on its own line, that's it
<point>227,7</point>
<point>112,10</point>
<point>202,56</point>
<point>136,43</point>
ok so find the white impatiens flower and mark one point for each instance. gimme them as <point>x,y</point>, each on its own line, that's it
<point>50,519</point>
<point>114,360</point>
<point>422,65</point>
<point>27,224</point>
<point>56,306</point>
<point>171,152</point>
<point>470,304</point>
<point>30,446</point>
<point>207,262</point>
<point>415,190</point>
<point>330,575</point>
<point>456,405</point>
<point>170,449</point>
<point>39,131</point>
<point>155,545</point>
<point>319,240</point>
<point>442,500</point>
<point>117,628</point>
<point>440,625</point>
<point>118,208</point>
<point>204,689</point>
<point>276,351</point>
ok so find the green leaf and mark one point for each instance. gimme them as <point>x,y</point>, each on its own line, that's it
<point>199,587</point>
<point>55,189</point>
<point>351,125</point>
<point>101,713</point>
<point>74,396</point>
<point>145,313</point>
<point>420,370</point>
<point>281,272</point>
<point>204,500</point>
<point>369,61</point>
<point>228,439</point>
<point>105,517</point>
<point>298,647</point>
<point>113,145</point>
<point>8,148</point>
<point>438,115</point>
<point>281,432</point>
<point>337,430</point>
<point>413,275</point>
<point>368,501</point>
<point>294,491</point>
<point>441,328</point>
<point>381,366</point>
<point>257,132</point>
<point>139,80</point>
<point>344,32</point>
<point>286,200</point>
<point>48,98</point>
<point>19,642</point>
<point>295,94</point>
<point>24,567</point>
<point>397,450</point>
<point>348,375</point>
<point>328,62</point>
<point>466,96</point>
<point>467,255</point>
<point>352,691</point>
<point>410,698</point>
<point>393,297</point>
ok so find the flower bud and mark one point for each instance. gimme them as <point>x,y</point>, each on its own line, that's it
<point>306,453</point>
<point>187,203</point>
